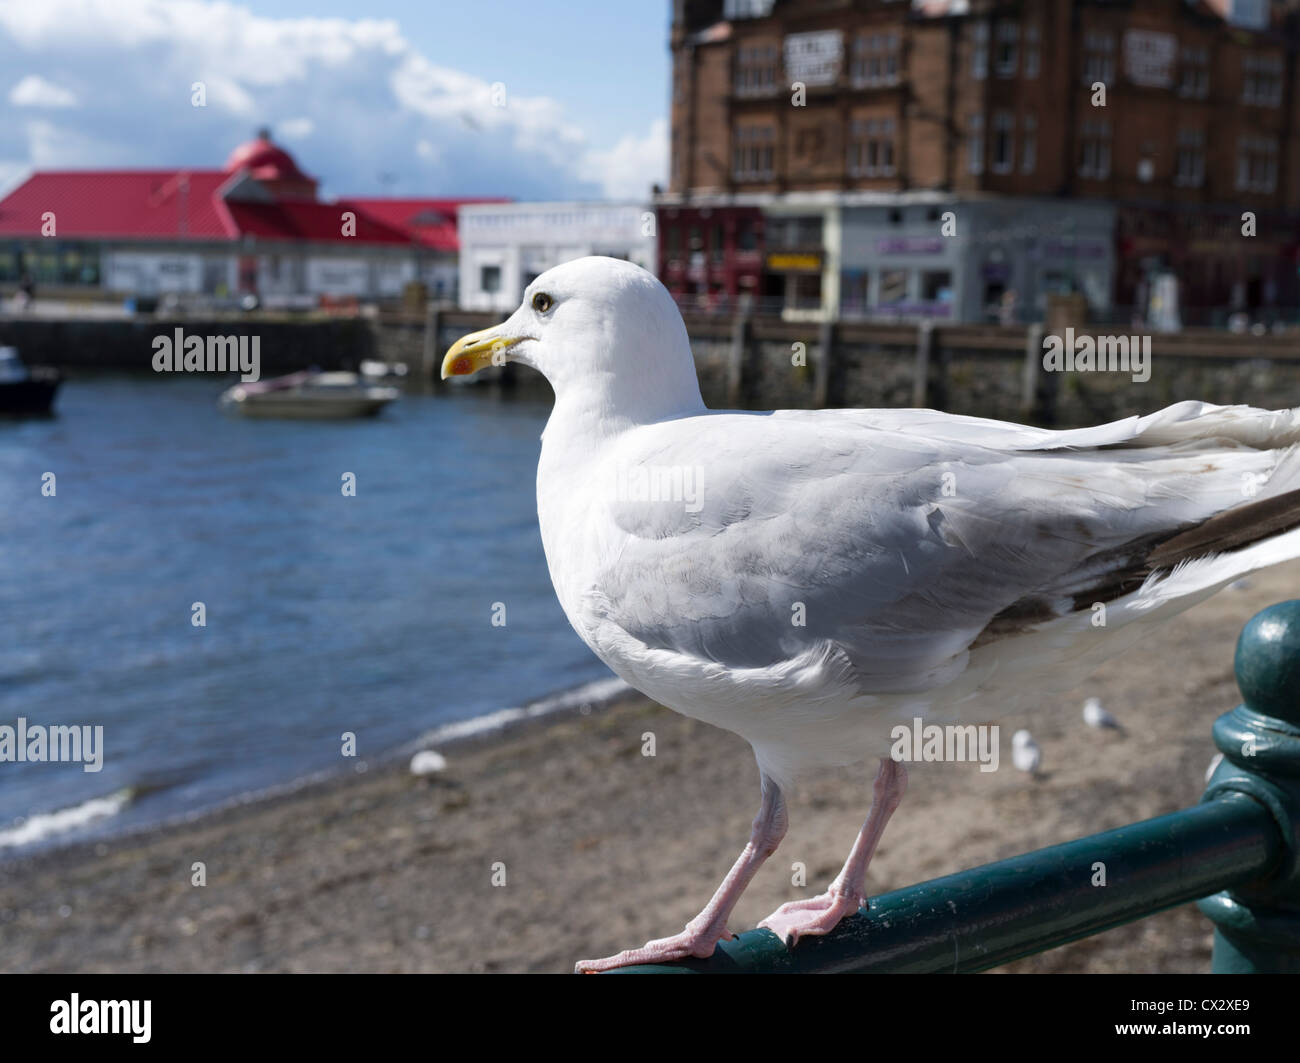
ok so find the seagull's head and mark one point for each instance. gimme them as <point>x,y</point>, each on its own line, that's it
<point>601,330</point>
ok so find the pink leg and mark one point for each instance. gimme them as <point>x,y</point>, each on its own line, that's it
<point>848,893</point>
<point>703,932</point>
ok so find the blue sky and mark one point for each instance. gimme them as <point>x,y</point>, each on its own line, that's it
<point>387,97</point>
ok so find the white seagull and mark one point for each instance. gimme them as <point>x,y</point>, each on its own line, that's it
<point>808,579</point>
<point>1095,714</point>
<point>1026,754</point>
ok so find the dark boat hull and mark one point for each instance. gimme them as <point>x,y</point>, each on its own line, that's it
<point>28,398</point>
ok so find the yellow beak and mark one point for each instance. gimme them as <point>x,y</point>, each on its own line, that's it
<point>476,351</point>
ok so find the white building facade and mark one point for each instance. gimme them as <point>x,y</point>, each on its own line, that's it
<point>503,246</point>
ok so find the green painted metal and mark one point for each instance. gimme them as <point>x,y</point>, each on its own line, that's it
<point>1241,844</point>
<point>1257,924</point>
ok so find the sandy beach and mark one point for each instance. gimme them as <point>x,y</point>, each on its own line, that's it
<point>603,847</point>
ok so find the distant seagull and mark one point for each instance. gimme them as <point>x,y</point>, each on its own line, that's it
<point>1242,584</point>
<point>1025,754</point>
<point>1215,761</point>
<point>1095,715</point>
<point>428,762</point>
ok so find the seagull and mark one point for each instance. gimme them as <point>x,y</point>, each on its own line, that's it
<point>1025,752</point>
<point>428,762</point>
<point>1095,714</point>
<point>809,578</point>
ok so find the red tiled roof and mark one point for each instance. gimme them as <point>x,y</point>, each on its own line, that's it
<point>301,220</point>
<point>431,221</point>
<point>188,205</point>
<point>134,204</point>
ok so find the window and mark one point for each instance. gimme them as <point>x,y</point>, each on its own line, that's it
<point>893,287</point>
<point>755,73</point>
<point>716,242</point>
<point>796,232</point>
<point>753,154</point>
<point>1194,73</point>
<point>1098,58</point>
<point>875,60</point>
<point>673,240</point>
<point>1094,142</point>
<point>1189,171</point>
<point>1008,50</point>
<point>1257,164</point>
<point>871,147</point>
<point>1029,144</point>
<point>1261,80</point>
<point>1031,52</point>
<point>746,237</point>
<point>489,279</point>
<point>979,53</point>
<point>975,143</point>
<point>854,285</point>
<point>747,9</point>
<point>1004,142</point>
<point>806,291</point>
<point>936,286</point>
<point>806,232</point>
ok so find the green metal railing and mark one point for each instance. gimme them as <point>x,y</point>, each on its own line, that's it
<point>1239,850</point>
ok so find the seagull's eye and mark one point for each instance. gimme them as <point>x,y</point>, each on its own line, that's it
<point>542,302</point>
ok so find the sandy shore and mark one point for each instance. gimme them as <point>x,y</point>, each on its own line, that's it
<point>603,847</point>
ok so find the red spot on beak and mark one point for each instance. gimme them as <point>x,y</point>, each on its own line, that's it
<point>460,367</point>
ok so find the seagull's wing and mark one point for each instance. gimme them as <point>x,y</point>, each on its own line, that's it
<point>900,539</point>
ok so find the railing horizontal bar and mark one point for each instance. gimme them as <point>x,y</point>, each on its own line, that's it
<point>999,912</point>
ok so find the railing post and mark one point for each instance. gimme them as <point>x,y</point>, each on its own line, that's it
<point>1257,928</point>
<point>738,360</point>
<point>432,356</point>
<point>921,363</point>
<point>822,367</point>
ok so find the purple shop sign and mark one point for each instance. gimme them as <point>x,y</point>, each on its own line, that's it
<point>1090,249</point>
<point>910,245</point>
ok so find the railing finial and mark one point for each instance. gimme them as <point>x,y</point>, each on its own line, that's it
<point>1258,927</point>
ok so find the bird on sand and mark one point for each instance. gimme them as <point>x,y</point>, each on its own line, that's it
<point>1095,714</point>
<point>809,579</point>
<point>1026,754</point>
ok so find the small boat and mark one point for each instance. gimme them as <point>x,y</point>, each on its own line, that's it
<point>25,392</point>
<point>373,369</point>
<point>308,395</point>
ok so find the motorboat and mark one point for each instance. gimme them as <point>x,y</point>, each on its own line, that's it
<point>375,370</point>
<point>23,391</point>
<point>308,395</point>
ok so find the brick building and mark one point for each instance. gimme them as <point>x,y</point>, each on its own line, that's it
<point>1069,145</point>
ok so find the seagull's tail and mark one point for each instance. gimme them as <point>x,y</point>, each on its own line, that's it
<point>1186,422</point>
<point>1243,466</point>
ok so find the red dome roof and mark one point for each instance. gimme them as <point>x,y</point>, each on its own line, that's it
<point>264,160</point>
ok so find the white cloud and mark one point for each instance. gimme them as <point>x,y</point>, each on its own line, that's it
<point>630,167</point>
<point>380,115</point>
<point>35,91</point>
<point>295,128</point>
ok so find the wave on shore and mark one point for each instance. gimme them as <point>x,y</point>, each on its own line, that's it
<point>594,695</point>
<point>47,827</point>
<point>44,825</point>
